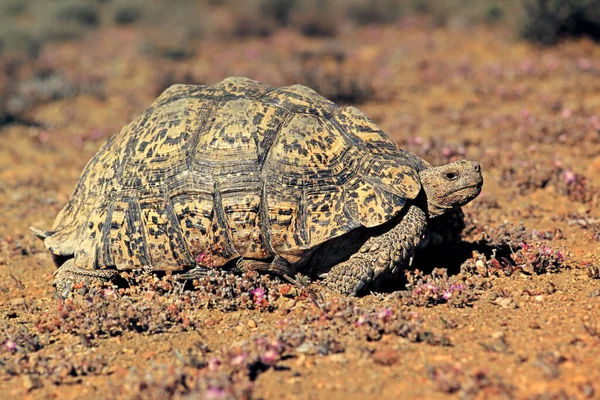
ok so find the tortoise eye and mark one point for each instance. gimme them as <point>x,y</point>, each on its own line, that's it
<point>451,176</point>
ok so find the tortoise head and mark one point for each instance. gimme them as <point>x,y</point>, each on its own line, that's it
<point>450,186</point>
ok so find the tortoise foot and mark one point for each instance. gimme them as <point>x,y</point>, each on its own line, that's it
<point>352,277</point>
<point>68,277</point>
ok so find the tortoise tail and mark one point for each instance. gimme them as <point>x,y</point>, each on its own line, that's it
<point>40,234</point>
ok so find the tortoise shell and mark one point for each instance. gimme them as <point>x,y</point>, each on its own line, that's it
<point>209,174</point>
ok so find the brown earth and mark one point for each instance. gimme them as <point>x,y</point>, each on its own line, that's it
<point>530,328</point>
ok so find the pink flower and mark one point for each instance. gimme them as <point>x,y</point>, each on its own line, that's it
<point>457,287</point>
<point>239,360</point>
<point>431,287</point>
<point>215,393</point>
<point>258,295</point>
<point>213,364</point>
<point>360,321</point>
<point>200,257</point>
<point>527,66</point>
<point>384,313</point>
<point>595,121</point>
<point>10,345</point>
<point>447,295</point>
<point>269,357</point>
<point>276,345</point>
<point>584,64</point>
<point>548,251</point>
<point>252,54</point>
<point>568,176</point>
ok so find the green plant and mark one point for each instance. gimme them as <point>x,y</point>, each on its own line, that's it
<point>547,21</point>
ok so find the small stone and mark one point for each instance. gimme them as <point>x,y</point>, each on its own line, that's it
<point>251,324</point>
<point>596,164</point>
<point>289,304</point>
<point>534,325</point>
<point>31,382</point>
<point>18,301</point>
<point>149,355</point>
<point>338,358</point>
<point>300,360</point>
<point>386,357</point>
<point>498,335</point>
<point>506,302</point>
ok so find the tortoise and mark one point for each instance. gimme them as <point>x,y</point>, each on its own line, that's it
<point>241,174</point>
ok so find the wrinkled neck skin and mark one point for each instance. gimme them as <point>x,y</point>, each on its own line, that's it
<point>435,210</point>
<point>450,186</point>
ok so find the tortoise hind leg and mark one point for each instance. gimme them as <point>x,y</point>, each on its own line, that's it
<point>68,275</point>
<point>279,267</point>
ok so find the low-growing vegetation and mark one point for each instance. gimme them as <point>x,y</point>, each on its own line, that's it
<point>503,301</point>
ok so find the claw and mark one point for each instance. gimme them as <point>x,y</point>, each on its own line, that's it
<point>193,273</point>
<point>362,285</point>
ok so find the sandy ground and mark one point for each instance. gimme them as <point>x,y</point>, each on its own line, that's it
<point>525,324</point>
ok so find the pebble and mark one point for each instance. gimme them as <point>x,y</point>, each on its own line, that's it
<point>498,335</point>
<point>596,164</point>
<point>149,355</point>
<point>506,302</point>
<point>18,301</point>
<point>338,358</point>
<point>534,325</point>
<point>31,382</point>
<point>251,324</point>
<point>386,357</point>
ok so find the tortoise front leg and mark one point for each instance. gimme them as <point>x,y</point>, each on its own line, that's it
<point>68,275</point>
<point>379,254</point>
<point>351,277</point>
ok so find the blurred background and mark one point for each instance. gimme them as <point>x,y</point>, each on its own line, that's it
<point>348,50</point>
<point>511,83</point>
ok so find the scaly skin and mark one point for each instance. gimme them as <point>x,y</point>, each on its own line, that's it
<point>387,252</point>
<point>68,275</point>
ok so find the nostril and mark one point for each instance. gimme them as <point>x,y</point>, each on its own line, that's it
<point>477,167</point>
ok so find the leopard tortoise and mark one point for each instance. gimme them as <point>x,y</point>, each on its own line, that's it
<point>241,174</point>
